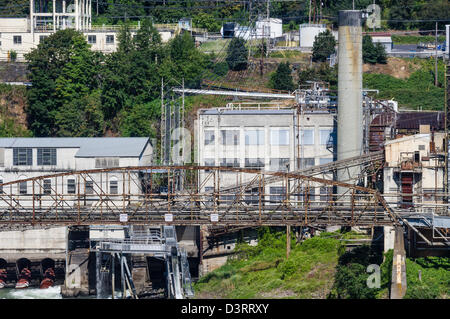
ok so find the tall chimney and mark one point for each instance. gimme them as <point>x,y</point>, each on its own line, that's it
<point>350,114</point>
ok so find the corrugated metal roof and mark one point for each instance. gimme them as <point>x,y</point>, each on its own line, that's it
<point>88,146</point>
<point>412,120</point>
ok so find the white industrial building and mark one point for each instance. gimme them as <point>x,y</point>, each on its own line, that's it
<point>23,158</point>
<point>308,33</point>
<point>414,168</point>
<point>385,40</point>
<point>21,35</point>
<point>267,139</point>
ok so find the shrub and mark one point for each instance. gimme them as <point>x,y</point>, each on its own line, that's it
<point>220,68</point>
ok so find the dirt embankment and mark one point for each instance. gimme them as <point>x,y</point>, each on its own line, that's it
<point>13,103</point>
<point>396,67</point>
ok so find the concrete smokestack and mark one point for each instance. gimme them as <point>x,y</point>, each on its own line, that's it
<point>350,114</point>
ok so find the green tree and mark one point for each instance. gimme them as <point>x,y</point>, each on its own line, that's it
<point>282,78</point>
<point>373,53</point>
<point>237,55</point>
<point>206,21</point>
<point>369,50</point>
<point>62,68</point>
<point>323,46</point>
<point>140,120</point>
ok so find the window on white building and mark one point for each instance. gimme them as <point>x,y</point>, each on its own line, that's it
<point>109,39</point>
<point>1,186</point>
<point>277,193</point>
<point>325,160</point>
<point>23,186</point>
<point>230,162</point>
<point>279,164</point>
<point>210,162</point>
<point>71,186</point>
<point>307,137</point>
<point>254,137</point>
<point>305,162</point>
<point>46,156</point>
<point>92,39</point>
<point>113,187</point>
<point>17,39</point>
<point>22,156</point>
<point>209,137</point>
<point>325,136</point>
<point>279,137</point>
<point>47,186</point>
<point>229,137</point>
<point>89,187</point>
<point>101,162</point>
<point>254,162</point>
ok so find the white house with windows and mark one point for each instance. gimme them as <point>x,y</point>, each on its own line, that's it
<point>21,35</point>
<point>267,139</point>
<point>23,158</point>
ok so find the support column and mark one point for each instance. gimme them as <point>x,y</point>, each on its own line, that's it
<point>98,279</point>
<point>398,282</point>
<point>288,241</point>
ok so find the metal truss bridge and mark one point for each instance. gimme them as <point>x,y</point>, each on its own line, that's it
<point>137,198</point>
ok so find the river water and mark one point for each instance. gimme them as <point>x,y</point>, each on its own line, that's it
<point>50,293</point>
<point>31,293</point>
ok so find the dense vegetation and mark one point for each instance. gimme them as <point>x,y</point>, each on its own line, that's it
<point>209,14</point>
<point>282,78</point>
<point>78,92</point>
<point>317,268</point>
<point>373,53</point>
<point>428,278</point>
<point>417,91</point>
<point>262,271</point>
<point>323,46</point>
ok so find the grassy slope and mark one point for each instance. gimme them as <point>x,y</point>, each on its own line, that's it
<point>264,272</point>
<point>415,92</point>
<point>435,281</point>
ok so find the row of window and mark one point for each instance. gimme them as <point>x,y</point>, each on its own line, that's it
<point>278,193</point>
<point>277,137</point>
<point>47,156</point>
<point>275,163</point>
<point>24,156</point>
<point>71,187</point>
<point>92,39</point>
<point>252,137</point>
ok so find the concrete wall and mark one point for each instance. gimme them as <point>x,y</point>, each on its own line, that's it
<point>34,244</point>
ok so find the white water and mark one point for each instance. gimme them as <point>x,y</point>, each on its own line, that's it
<point>31,293</point>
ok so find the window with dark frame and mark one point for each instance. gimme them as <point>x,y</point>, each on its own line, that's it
<point>113,187</point>
<point>47,185</point>
<point>22,156</point>
<point>17,39</point>
<point>92,39</point>
<point>109,39</point>
<point>46,156</point>
<point>89,187</point>
<point>209,137</point>
<point>71,186</point>
<point>23,187</point>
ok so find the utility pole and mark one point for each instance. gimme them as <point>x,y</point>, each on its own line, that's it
<point>163,121</point>
<point>435,58</point>
<point>309,20</point>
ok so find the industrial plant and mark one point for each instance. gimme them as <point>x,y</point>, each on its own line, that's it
<point>145,217</point>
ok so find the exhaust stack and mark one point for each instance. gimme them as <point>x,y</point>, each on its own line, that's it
<point>350,110</point>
